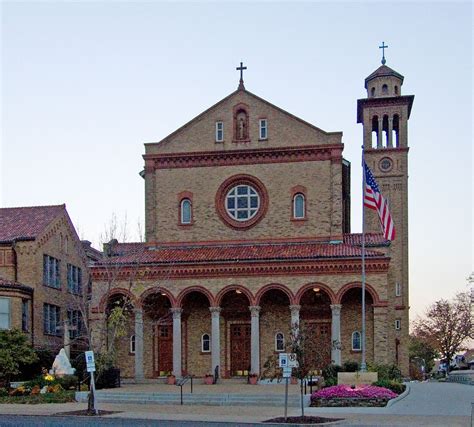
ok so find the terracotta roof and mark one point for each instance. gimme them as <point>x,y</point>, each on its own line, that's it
<point>371,239</point>
<point>9,284</point>
<point>383,71</point>
<point>216,253</point>
<point>26,223</point>
<point>127,248</point>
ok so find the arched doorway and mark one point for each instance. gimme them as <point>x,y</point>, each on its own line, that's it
<point>196,336</point>
<point>120,331</point>
<point>315,321</point>
<point>235,312</point>
<point>275,325</point>
<point>158,335</point>
<point>351,325</point>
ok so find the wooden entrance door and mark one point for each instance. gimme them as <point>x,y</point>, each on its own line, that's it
<point>239,349</point>
<point>163,350</point>
<point>318,345</point>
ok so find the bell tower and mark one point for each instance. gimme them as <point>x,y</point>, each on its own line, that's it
<point>384,115</point>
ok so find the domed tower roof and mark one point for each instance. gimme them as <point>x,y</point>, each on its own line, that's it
<point>383,71</point>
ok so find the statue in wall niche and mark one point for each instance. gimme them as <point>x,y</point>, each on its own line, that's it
<point>62,365</point>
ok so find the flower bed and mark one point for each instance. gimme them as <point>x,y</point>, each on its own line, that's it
<point>346,395</point>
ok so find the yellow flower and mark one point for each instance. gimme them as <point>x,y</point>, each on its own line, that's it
<point>48,377</point>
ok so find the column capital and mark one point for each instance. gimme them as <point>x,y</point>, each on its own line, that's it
<point>215,310</point>
<point>295,308</point>
<point>254,310</point>
<point>336,309</point>
<point>138,311</point>
<point>176,311</point>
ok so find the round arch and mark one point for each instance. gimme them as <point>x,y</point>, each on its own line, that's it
<point>199,289</point>
<point>348,286</point>
<point>161,290</point>
<point>322,286</point>
<point>118,291</point>
<point>230,288</point>
<point>274,286</point>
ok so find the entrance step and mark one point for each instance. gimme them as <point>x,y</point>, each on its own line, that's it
<point>222,399</point>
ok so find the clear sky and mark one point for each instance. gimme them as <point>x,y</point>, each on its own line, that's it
<point>85,84</point>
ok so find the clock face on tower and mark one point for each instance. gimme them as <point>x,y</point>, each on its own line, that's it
<point>386,164</point>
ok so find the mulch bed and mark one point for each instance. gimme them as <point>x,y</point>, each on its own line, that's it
<point>84,412</point>
<point>302,420</point>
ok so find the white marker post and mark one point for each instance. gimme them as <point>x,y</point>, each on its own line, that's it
<point>90,363</point>
<point>283,363</point>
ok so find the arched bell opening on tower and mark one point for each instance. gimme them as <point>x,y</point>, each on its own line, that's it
<point>396,131</point>
<point>385,132</point>
<point>375,131</point>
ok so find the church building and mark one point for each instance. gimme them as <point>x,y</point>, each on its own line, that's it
<point>248,232</point>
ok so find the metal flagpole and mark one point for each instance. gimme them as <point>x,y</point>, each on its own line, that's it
<point>363,365</point>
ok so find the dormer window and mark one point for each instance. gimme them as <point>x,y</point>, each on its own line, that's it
<point>219,131</point>
<point>263,131</point>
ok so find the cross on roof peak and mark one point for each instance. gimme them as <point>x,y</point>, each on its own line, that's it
<point>383,47</point>
<point>241,69</point>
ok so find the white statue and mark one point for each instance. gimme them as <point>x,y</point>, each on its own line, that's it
<point>61,365</point>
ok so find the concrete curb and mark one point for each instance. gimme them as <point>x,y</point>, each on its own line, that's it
<point>400,396</point>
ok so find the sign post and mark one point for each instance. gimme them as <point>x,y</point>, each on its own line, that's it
<point>287,362</point>
<point>90,364</point>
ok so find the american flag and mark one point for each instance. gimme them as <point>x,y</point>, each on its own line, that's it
<point>373,199</point>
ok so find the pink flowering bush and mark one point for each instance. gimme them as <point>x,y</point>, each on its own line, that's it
<point>362,391</point>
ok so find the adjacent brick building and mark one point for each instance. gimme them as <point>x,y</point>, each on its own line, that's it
<point>43,273</point>
<point>247,212</point>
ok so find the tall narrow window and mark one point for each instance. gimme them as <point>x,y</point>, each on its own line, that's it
<point>398,324</point>
<point>219,131</point>
<point>132,344</point>
<point>356,341</point>
<point>74,279</point>
<point>205,343</point>
<point>279,342</point>
<point>25,315</point>
<point>4,313</point>
<point>372,91</point>
<point>384,89</point>
<point>263,129</point>
<point>398,289</point>
<point>186,211</point>
<point>51,276</point>
<point>298,206</point>
<point>51,319</point>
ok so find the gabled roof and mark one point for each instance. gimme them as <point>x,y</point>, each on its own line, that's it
<point>235,252</point>
<point>383,71</point>
<point>199,116</point>
<point>26,223</point>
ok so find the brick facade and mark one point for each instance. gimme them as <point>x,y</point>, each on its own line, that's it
<point>252,270</point>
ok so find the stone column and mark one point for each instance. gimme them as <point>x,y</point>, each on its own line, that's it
<point>176,340</point>
<point>380,133</point>
<point>390,133</point>
<point>295,315</point>
<point>215,339</point>
<point>138,345</point>
<point>255,339</point>
<point>336,334</point>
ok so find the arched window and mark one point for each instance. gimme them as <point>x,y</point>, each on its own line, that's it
<point>372,91</point>
<point>279,342</point>
<point>396,90</point>
<point>66,244</point>
<point>298,206</point>
<point>205,343</point>
<point>356,341</point>
<point>61,241</point>
<point>132,344</point>
<point>186,211</point>
<point>384,89</point>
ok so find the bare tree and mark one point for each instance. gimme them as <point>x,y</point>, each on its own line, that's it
<point>447,325</point>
